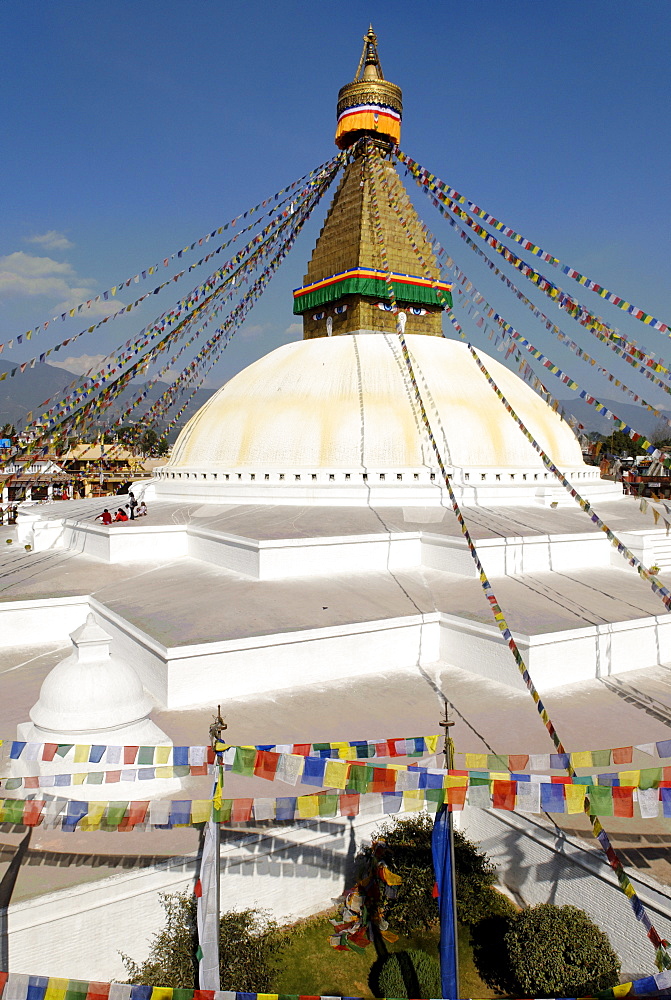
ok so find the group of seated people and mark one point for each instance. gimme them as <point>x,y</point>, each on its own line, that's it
<point>135,509</point>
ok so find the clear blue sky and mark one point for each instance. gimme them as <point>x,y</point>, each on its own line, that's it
<point>132,127</point>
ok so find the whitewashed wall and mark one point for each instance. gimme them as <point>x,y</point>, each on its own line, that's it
<point>290,871</point>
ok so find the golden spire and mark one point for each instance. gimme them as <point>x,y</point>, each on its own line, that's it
<point>370,60</point>
<point>370,105</point>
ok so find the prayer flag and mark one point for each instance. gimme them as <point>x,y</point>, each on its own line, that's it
<point>441,849</point>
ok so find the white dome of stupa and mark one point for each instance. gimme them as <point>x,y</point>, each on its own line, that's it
<point>334,418</point>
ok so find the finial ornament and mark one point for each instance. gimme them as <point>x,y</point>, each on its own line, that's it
<point>370,61</point>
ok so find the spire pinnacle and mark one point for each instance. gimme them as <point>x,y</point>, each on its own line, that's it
<point>370,61</point>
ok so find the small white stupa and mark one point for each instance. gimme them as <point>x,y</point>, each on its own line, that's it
<point>93,698</point>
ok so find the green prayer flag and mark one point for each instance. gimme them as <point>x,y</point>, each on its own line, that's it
<point>145,755</point>
<point>600,758</point>
<point>359,778</point>
<point>497,762</point>
<point>650,777</point>
<point>245,758</point>
<point>115,813</point>
<point>328,805</point>
<point>600,800</point>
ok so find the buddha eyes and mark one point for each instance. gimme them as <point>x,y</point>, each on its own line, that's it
<point>385,307</point>
<point>339,310</point>
<point>418,311</point>
<point>319,316</point>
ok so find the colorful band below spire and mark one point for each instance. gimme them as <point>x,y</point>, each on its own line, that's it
<point>368,281</point>
<point>371,118</point>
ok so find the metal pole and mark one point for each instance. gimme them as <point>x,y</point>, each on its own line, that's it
<point>448,752</point>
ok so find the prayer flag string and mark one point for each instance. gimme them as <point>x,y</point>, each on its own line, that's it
<point>147,272</point>
<point>434,183</point>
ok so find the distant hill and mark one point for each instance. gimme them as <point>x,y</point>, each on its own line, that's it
<point>636,416</point>
<point>25,392</point>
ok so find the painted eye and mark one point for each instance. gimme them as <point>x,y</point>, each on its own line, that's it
<point>385,306</point>
<point>319,316</point>
<point>418,311</point>
<point>339,310</point>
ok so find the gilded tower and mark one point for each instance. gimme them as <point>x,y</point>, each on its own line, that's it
<point>346,288</point>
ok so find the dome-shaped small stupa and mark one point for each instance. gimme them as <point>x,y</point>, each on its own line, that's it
<point>93,698</point>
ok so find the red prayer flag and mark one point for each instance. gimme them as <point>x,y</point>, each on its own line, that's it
<point>32,812</point>
<point>623,802</point>
<point>455,798</point>
<point>241,810</point>
<point>518,761</point>
<point>49,751</point>
<point>349,804</point>
<point>129,754</point>
<point>98,991</point>
<point>135,814</point>
<point>198,889</point>
<point>504,794</point>
<point>266,764</point>
<point>302,748</point>
<point>384,779</point>
<point>623,755</point>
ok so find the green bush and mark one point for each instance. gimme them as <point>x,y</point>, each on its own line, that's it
<point>249,944</point>
<point>545,950</point>
<point>408,854</point>
<point>409,973</point>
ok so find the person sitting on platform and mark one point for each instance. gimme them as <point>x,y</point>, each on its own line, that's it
<point>105,517</point>
<point>142,509</point>
<point>121,515</point>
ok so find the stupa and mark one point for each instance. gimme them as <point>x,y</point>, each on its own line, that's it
<point>332,419</point>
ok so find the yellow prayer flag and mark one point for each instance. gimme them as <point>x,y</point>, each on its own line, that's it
<point>630,778</point>
<point>267,996</point>
<point>165,772</point>
<point>629,890</point>
<point>500,776</point>
<point>93,818</point>
<point>201,810</point>
<point>575,798</point>
<point>79,778</point>
<point>56,989</point>
<point>431,743</point>
<point>455,781</point>
<point>308,806</point>
<point>476,761</point>
<point>622,990</point>
<point>413,800</point>
<point>335,773</point>
<point>81,753</point>
<point>162,755</point>
<point>582,759</point>
<point>161,993</point>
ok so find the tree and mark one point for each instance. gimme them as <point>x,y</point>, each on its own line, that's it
<point>408,855</point>
<point>619,443</point>
<point>545,950</point>
<point>249,944</point>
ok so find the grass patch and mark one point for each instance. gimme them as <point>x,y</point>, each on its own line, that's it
<point>309,966</point>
